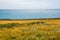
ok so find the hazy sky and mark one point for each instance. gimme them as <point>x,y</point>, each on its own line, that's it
<point>29,4</point>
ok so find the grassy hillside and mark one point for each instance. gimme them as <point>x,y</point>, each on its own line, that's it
<point>48,29</point>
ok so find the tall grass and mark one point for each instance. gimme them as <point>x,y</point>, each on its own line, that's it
<point>29,31</point>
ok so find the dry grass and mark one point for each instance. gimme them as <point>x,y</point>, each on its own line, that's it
<point>30,29</point>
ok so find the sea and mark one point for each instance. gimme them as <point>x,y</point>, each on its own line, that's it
<point>29,13</point>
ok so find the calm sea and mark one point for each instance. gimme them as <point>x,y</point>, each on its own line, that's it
<point>28,13</point>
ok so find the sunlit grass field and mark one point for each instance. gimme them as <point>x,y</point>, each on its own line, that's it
<point>37,29</point>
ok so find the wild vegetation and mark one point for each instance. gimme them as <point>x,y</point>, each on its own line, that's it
<point>35,30</point>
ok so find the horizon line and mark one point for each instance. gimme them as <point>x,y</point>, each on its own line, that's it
<point>46,9</point>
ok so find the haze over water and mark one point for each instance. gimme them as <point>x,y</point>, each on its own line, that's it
<point>28,13</point>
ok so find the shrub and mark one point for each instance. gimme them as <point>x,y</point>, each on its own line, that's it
<point>9,25</point>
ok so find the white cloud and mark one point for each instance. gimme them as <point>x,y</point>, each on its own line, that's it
<point>27,4</point>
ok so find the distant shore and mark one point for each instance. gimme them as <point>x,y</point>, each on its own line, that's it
<point>34,19</point>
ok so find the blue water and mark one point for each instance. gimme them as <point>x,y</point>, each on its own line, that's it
<point>28,13</point>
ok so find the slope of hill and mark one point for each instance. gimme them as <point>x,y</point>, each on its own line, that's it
<point>45,29</point>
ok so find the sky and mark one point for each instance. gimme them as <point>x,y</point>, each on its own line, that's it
<point>29,4</point>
